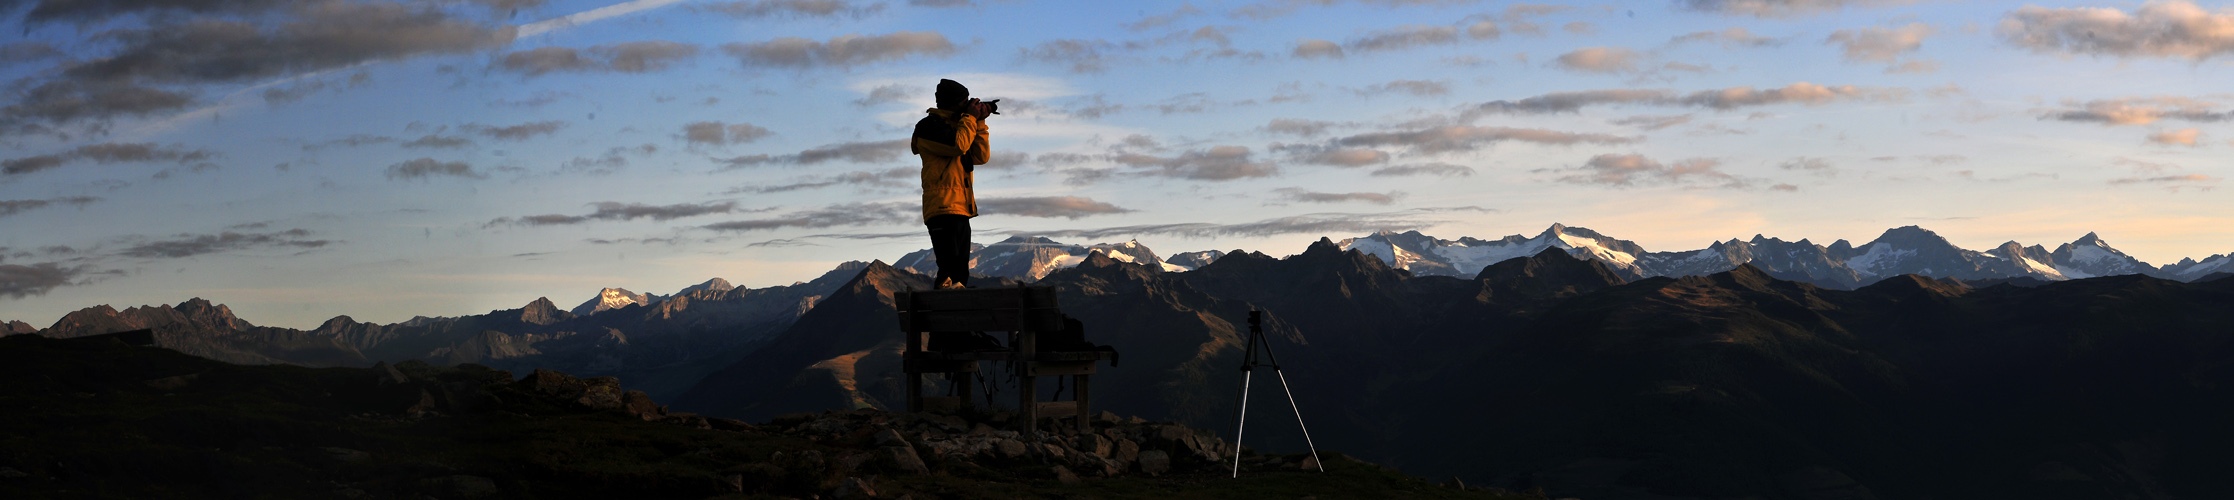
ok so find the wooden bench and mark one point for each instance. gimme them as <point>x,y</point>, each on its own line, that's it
<point>1025,312</point>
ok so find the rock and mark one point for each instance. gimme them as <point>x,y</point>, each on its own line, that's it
<point>1127,452</point>
<point>1310,463</point>
<point>347,455</point>
<point>950,423</point>
<point>1455,483</point>
<point>639,404</point>
<point>1154,462</point>
<point>691,420</point>
<point>1106,417</point>
<point>12,473</point>
<point>1053,451</point>
<point>1063,475</point>
<point>728,424</point>
<point>791,419</point>
<point>735,483</point>
<point>826,426</point>
<point>1009,448</point>
<point>553,383</point>
<point>889,437</point>
<point>421,407</point>
<point>853,461</point>
<point>171,383</point>
<point>461,486</point>
<point>905,459</point>
<point>1095,465</point>
<point>388,375</point>
<point>601,397</point>
<point>1095,444</point>
<point>854,487</point>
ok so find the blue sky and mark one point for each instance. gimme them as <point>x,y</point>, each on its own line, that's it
<point>301,160</point>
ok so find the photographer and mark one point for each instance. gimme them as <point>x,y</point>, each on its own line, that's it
<point>952,142</point>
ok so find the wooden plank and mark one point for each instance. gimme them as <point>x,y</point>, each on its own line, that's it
<point>942,404</point>
<point>1057,408</point>
<point>982,320</point>
<point>1027,387</point>
<point>1060,368</point>
<point>915,391</point>
<point>1085,401</point>
<point>981,298</point>
<point>937,366</point>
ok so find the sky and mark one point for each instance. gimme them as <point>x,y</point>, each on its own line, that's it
<point>299,160</point>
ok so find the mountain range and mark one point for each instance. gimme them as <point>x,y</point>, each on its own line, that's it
<point>1572,368</point>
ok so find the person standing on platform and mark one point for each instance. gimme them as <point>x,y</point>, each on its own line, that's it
<point>952,143</point>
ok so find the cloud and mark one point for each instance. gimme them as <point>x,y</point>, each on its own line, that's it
<point>856,152</point>
<point>1403,37</point>
<point>1348,158</point>
<point>718,133</point>
<point>106,153</point>
<point>893,178</point>
<point>610,162</point>
<point>2174,29</point>
<point>1630,170</point>
<point>1462,138</point>
<point>1295,126</point>
<point>522,131</point>
<point>2173,181</point>
<point>1599,60</point>
<point>1799,93</point>
<point>1781,8</point>
<point>1885,45</point>
<point>1653,122</point>
<point>2138,111</point>
<point>883,94</point>
<point>427,167</point>
<point>844,51</point>
<point>12,207</point>
<point>1727,38</point>
<point>1417,88</point>
<point>2182,137</point>
<point>758,9</point>
<point>839,215</point>
<point>1879,44</point>
<point>1069,207</point>
<point>1083,56</point>
<point>1312,48</point>
<point>1276,8</point>
<point>19,281</point>
<point>1219,163</point>
<point>185,50</point>
<point>1317,223</point>
<point>1817,166</point>
<point>1435,169</point>
<point>1301,195</point>
<point>350,141</point>
<point>1569,102</point>
<point>438,141</point>
<point>23,52</point>
<point>613,210</point>
<point>1161,20</point>
<point>627,57</point>
<point>304,88</point>
<point>189,245</point>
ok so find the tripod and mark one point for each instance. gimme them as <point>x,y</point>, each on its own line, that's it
<point>1248,365</point>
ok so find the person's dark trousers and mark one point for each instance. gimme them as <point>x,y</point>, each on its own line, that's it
<point>950,246</point>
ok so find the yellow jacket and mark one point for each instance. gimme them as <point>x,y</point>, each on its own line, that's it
<point>951,145</point>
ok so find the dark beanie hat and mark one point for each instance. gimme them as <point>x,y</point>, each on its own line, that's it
<point>952,95</point>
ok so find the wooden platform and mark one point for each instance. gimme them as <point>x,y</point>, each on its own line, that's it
<point>1023,312</point>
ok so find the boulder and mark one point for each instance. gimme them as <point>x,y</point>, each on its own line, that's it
<point>173,382</point>
<point>1009,448</point>
<point>1310,463</point>
<point>1063,475</point>
<point>728,424</point>
<point>554,383</point>
<point>854,487</point>
<point>1094,443</point>
<point>889,437</point>
<point>1126,452</point>
<point>905,460</point>
<point>639,404</point>
<point>600,397</point>
<point>1154,462</point>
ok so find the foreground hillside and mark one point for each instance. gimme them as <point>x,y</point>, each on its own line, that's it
<point>96,418</point>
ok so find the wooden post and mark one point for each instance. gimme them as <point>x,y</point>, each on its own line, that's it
<point>913,350</point>
<point>1085,426</point>
<point>962,387</point>
<point>1027,346</point>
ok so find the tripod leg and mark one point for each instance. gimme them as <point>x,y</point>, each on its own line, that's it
<point>1298,419</point>
<point>1241,424</point>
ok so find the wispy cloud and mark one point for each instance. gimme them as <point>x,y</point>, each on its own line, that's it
<point>842,51</point>
<point>2171,29</point>
<point>856,152</point>
<point>1068,207</point>
<point>12,207</point>
<point>1631,170</point>
<point>1463,138</point>
<point>1300,195</point>
<point>613,210</point>
<point>424,168</point>
<point>189,245</point>
<point>2138,111</point>
<point>1782,8</point>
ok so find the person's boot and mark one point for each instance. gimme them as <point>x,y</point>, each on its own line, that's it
<point>949,284</point>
